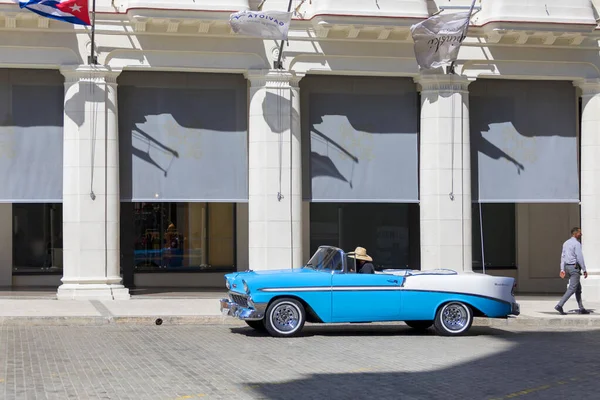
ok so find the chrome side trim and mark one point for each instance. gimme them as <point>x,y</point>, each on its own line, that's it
<point>334,289</point>
<point>374,288</point>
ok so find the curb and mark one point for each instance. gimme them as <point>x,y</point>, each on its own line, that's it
<point>53,321</point>
<point>530,321</point>
<point>133,320</point>
<point>522,321</point>
<point>178,320</point>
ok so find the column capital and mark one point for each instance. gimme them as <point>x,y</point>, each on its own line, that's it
<point>443,83</point>
<point>589,87</point>
<point>89,73</point>
<point>272,78</point>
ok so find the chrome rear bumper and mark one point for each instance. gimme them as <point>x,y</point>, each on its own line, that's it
<point>515,309</point>
<point>231,309</point>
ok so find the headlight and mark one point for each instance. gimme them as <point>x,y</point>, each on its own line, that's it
<point>246,288</point>
<point>227,284</point>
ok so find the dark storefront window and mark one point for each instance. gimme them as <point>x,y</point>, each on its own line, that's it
<point>389,232</point>
<point>37,238</point>
<point>180,236</point>
<point>499,236</point>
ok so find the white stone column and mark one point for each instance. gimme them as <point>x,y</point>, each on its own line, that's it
<point>91,165</point>
<point>445,173</point>
<point>590,186</point>
<point>275,167</point>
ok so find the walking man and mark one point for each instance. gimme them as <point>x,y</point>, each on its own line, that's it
<point>571,266</point>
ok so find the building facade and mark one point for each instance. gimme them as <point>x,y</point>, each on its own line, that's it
<point>183,154</point>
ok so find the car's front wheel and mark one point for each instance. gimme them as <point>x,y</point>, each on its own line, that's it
<point>453,319</point>
<point>285,317</point>
<point>419,325</point>
<point>257,325</point>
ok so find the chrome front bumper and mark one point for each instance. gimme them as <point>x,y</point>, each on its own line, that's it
<point>515,309</point>
<point>231,309</point>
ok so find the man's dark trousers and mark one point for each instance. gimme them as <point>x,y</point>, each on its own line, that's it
<point>573,273</point>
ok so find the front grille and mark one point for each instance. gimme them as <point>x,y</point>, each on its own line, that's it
<point>239,300</point>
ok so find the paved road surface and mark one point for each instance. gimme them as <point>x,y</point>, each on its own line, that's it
<point>333,362</point>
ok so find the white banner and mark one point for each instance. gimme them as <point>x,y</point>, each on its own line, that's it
<point>438,39</point>
<point>264,24</point>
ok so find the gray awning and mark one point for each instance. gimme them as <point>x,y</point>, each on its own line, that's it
<point>363,139</point>
<point>524,141</point>
<point>183,137</point>
<point>31,136</point>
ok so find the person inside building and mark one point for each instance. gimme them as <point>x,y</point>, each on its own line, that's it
<point>363,261</point>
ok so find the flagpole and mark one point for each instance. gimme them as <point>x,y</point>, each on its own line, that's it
<point>468,21</point>
<point>451,68</point>
<point>92,59</point>
<point>278,64</point>
<point>481,235</point>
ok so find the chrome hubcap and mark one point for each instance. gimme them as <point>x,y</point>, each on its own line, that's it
<point>455,317</point>
<point>285,317</point>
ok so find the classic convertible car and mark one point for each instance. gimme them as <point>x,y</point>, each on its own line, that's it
<point>325,290</point>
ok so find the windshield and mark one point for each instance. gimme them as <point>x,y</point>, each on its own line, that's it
<point>326,259</point>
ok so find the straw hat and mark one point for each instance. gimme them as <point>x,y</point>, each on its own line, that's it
<point>360,253</point>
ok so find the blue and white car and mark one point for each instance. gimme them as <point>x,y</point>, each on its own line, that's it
<point>326,291</point>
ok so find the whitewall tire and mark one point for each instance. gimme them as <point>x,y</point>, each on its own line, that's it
<point>285,317</point>
<point>453,319</point>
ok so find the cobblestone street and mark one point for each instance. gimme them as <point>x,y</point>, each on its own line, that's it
<point>328,362</point>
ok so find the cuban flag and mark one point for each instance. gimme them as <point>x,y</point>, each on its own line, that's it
<point>71,11</point>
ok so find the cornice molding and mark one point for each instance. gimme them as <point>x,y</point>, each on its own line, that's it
<point>272,78</point>
<point>89,73</point>
<point>344,28</point>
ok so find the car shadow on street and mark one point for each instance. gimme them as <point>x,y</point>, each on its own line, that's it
<point>531,364</point>
<point>365,329</point>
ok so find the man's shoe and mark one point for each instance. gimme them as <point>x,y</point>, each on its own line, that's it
<point>560,310</point>
<point>583,311</point>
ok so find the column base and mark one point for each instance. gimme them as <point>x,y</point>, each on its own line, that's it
<point>78,291</point>
<point>590,289</point>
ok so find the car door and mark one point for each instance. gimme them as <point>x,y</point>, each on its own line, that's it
<point>365,297</point>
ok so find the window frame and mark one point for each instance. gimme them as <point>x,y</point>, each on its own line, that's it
<point>194,269</point>
<point>198,269</point>
<point>476,236</point>
<point>413,225</point>
<point>20,270</point>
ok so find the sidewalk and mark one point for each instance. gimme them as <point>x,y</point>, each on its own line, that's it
<point>202,307</point>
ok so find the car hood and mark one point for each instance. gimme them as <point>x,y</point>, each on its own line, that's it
<point>267,276</point>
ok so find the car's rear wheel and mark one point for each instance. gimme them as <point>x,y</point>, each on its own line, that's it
<point>258,325</point>
<point>285,317</point>
<point>453,319</point>
<point>419,325</point>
